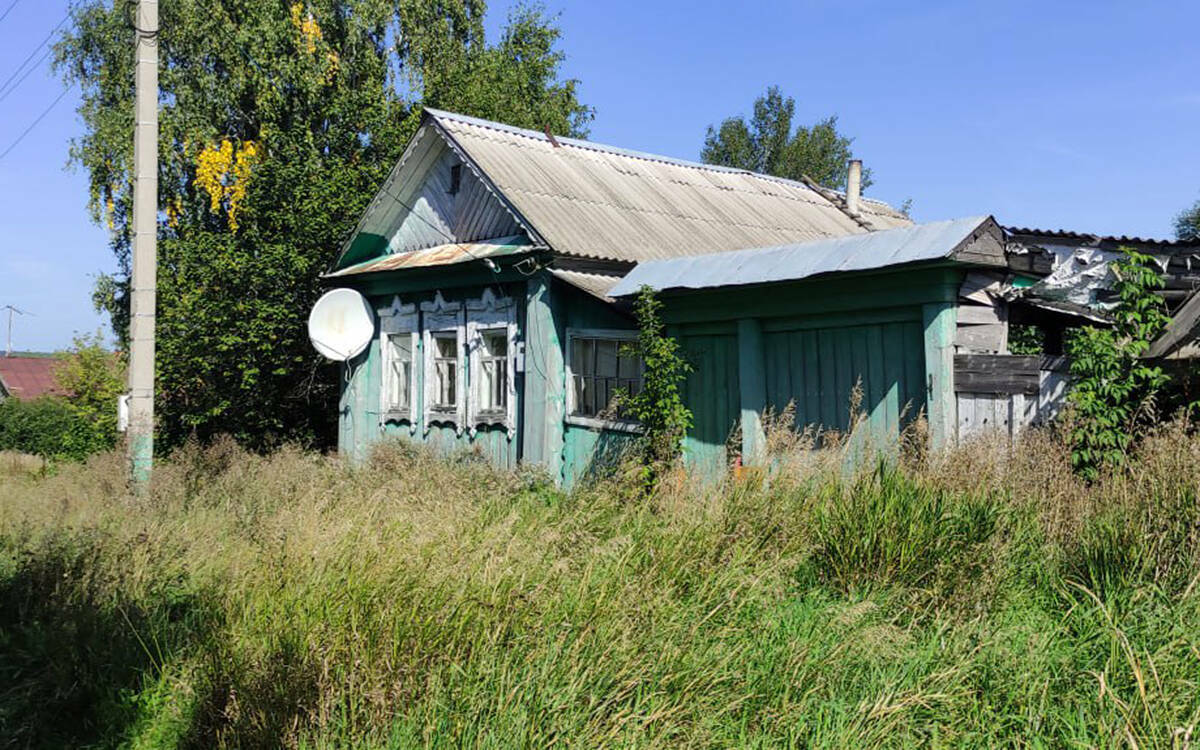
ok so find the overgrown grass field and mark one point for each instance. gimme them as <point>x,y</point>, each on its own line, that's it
<point>982,599</point>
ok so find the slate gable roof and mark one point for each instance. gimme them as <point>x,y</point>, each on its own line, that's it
<point>590,200</point>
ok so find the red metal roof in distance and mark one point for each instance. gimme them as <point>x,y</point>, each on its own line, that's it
<point>29,377</point>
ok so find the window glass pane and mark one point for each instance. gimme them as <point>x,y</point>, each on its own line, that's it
<point>606,359</point>
<point>495,343</point>
<point>447,345</point>
<point>600,369</point>
<point>445,371</point>
<point>399,370</point>
<point>491,392</point>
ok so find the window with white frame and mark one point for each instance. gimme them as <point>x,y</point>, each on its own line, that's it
<point>601,365</point>
<point>445,371</point>
<point>491,390</point>
<point>445,376</point>
<point>399,352</point>
<point>491,326</point>
<point>398,356</point>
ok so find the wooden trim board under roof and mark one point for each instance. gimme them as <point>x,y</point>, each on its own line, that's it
<point>441,255</point>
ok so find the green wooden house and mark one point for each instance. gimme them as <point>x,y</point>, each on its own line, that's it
<point>501,263</point>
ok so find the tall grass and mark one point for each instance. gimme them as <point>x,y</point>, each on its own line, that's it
<point>982,598</point>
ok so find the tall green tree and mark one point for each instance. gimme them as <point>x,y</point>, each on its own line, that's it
<point>278,121</point>
<point>1187,223</point>
<point>769,143</point>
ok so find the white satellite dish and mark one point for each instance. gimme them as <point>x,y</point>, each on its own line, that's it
<point>341,324</point>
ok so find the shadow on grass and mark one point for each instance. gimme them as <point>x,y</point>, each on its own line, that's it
<point>80,667</point>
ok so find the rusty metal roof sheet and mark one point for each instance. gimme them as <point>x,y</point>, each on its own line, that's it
<point>441,255</point>
<point>921,242</point>
<point>29,377</point>
<point>591,200</point>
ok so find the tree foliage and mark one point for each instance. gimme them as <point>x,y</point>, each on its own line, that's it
<point>1114,388</point>
<point>78,423</point>
<point>1187,223</point>
<point>93,377</point>
<point>278,121</point>
<point>658,406</point>
<point>768,143</point>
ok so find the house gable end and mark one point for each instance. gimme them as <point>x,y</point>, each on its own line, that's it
<point>431,198</point>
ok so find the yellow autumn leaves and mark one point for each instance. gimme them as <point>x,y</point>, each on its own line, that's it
<point>223,171</point>
<point>310,36</point>
<point>223,168</point>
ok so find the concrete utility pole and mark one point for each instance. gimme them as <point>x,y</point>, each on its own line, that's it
<point>145,245</point>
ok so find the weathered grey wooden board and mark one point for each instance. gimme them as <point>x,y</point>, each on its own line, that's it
<point>996,373</point>
<point>1010,413</point>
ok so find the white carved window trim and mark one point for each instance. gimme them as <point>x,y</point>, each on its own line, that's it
<point>488,314</point>
<point>440,317</point>
<point>399,320</point>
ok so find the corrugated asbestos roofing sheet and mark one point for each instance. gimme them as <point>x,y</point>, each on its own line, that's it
<point>597,201</point>
<point>441,255</point>
<point>792,262</point>
<point>596,284</point>
<point>1066,234</point>
<point>29,377</point>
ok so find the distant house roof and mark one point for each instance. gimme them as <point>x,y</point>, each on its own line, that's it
<point>589,200</point>
<point>976,240</point>
<point>28,377</point>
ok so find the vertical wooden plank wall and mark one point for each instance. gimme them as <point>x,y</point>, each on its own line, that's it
<point>816,369</point>
<point>940,327</point>
<point>713,394</point>
<point>544,396</point>
<point>752,384</point>
<point>358,424</point>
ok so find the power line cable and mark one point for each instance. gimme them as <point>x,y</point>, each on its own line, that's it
<point>36,49</point>
<point>5,92</point>
<point>8,10</point>
<point>34,124</point>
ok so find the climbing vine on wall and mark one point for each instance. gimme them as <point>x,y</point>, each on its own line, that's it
<point>658,406</point>
<point>1114,389</point>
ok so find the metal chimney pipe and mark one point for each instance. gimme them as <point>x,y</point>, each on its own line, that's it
<point>853,186</point>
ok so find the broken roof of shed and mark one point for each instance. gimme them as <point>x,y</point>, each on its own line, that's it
<point>1097,240</point>
<point>1180,331</point>
<point>976,240</point>
<point>589,200</point>
<point>441,255</point>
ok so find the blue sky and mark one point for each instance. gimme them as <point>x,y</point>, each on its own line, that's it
<point>1059,115</point>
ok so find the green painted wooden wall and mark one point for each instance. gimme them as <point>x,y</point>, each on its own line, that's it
<point>814,344</point>
<point>818,370</point>
<point>359,424</point>
<point>805,343</point>
<point>588,451</point>
<point>712,393</point>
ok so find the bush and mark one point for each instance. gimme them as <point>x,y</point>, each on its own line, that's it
<point>92,377</point>
<point>74,426</point>
<point>45,427</point>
